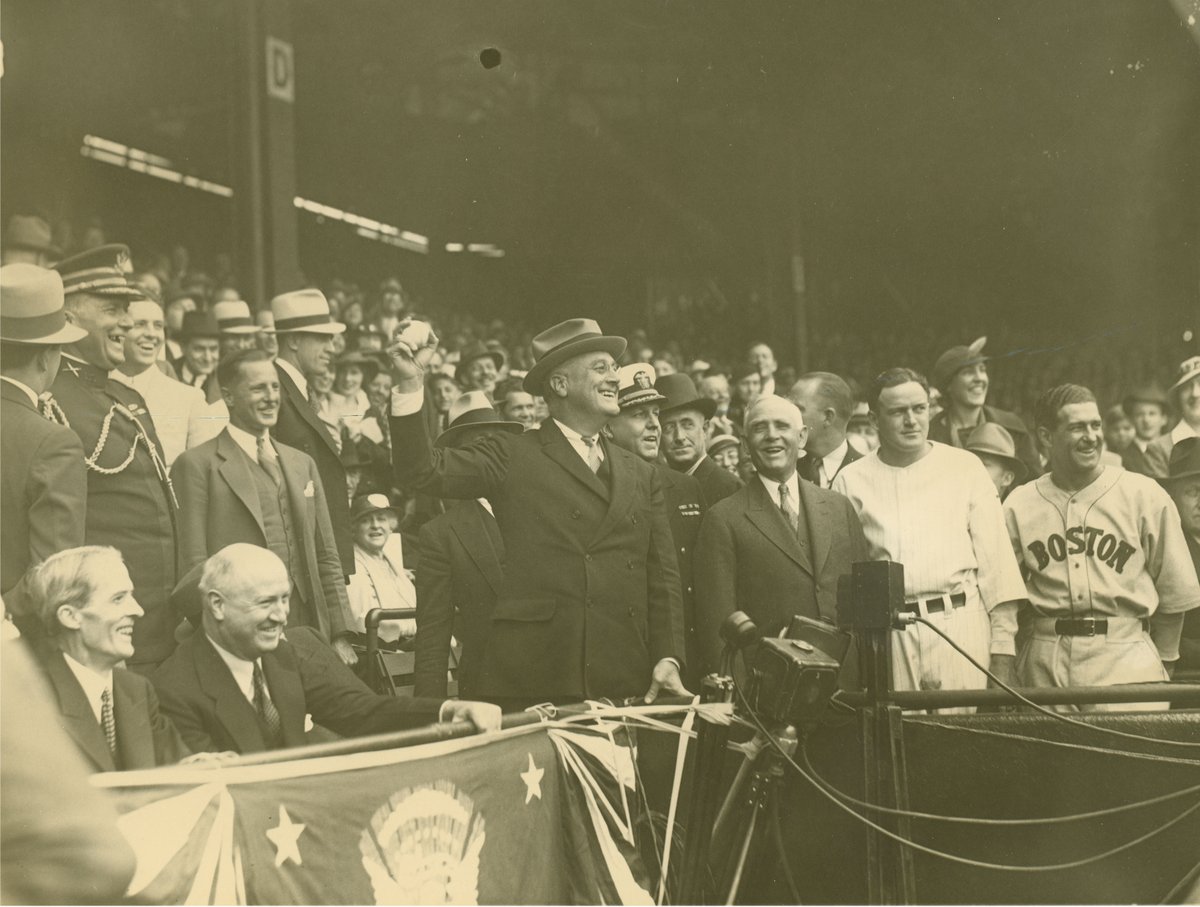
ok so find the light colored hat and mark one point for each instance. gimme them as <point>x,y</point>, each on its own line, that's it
<point>721,442</point>
<point>564,341</point>
<point>1188,369</point>
<point>636,386</point>
<point>304,311</point>
<point>31,307</point>
<point>993,440</point>
<point>473,410</point>
<point>233,317</point>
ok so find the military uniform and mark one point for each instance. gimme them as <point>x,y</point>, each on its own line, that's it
<point>685,508</point>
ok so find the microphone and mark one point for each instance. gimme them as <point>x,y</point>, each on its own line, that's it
<point>739,631</point>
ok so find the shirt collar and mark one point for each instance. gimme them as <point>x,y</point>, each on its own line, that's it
<point>576,441</point>
<point>247,441</point>
<point>1181,431</point>
<point>295,374</point>
<point>242,670</point>
<point>793,487</point>
<point>691,470</point>
<point>33,399</point>
<point>94,682</point>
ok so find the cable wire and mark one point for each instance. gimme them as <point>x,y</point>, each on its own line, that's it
<point>980,820</point>
<point>955,858</point>
<point>1177,888</point>
<point>1045,711</point>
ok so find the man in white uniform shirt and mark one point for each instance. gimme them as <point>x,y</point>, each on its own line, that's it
<point>932,508</point>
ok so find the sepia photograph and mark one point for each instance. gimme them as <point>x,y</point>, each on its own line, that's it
<point>657,452</point>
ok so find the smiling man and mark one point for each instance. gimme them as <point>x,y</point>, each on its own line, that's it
<point>685,418</point>
<point>244,486</point>
<point>1105,560</point>
<point>934,509</point>
<point>130,502</point>
<point>589,605</point>
<point>776,547</point>
<point>85,599</point>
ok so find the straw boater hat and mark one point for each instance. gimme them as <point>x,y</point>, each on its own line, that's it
<point>955,359</point>
<point>31,307</point>
<point>304,311</point>
<point>101,271</point>
<point>470,412</point>
<point>681,393</point>
<point>992,440</point>
<point>636,386</point>
<point>233,317</point>
<point>30,232</point>
<point>566,340</point>
<point>1188,369</point>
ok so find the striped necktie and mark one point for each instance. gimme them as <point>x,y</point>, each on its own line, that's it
<point>109,721</point>
<point>267,713</point>
<point>269,461</point>
<point>593,459</point>
<point>788,508</point>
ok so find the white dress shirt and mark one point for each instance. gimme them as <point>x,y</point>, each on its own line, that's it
<point>249,442</point>
<point>578,444</point>
<point>242,670</point>
<point>828,466</point>
<point>793,486</point>
<point>94,684</point>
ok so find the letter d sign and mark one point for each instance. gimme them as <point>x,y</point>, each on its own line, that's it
<point>281,76</point>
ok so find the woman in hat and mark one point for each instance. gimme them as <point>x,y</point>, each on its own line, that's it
<point>348,400</point>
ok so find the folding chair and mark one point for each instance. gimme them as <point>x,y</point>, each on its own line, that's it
<point>392,673</point>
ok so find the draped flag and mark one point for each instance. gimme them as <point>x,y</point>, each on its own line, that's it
<point>538,814</point>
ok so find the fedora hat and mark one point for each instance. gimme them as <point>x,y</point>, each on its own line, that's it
<point>1185,461</point>
<point>30,232</point>
<point>1146,393</point>
<point>992,440</point>
<point>199,324</point>
<point>636,386</point>
<point>1188,369</point>
<point>681,393</point>
<point>31,307</point>
<point>951,362</point>
<point>368,364</point>
<point>478,350</point>
<point>233,317</point>
<point>564,341</point>
<point>102,271</point>
<point>366,504</point>
<point>304,310</point>
<point>472,411</point>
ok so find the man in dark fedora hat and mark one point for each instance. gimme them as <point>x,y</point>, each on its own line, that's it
<point>994,446</point>
<point>479,368</point>
<point>684,416</point>
<point>131,504</point>
<point>42,476</point>
<point>589,605</point>
<point>28,240</point>
<point>461,570</point>
<point>961,374</point>
<point>305,328</point>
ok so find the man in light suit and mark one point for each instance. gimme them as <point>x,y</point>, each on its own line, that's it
<point>85,600</point>
<point>462,565</point>
<point>304,330</point>
<point>590,605</point>
<point>776,547</point>
<point>43,481</point>
<point>826,403</point>
<point>242,487</point>
<point>238,684</point>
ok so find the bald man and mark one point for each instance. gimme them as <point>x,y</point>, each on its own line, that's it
<point>776,547</point>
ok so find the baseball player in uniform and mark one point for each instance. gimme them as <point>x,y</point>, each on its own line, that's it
<point>1105,561</point>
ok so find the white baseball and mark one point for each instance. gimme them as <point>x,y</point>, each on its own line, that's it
<point>416,335</point>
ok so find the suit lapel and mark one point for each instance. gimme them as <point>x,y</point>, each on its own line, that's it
<point>295,479</point>
<point>135,737</point>
<point>230,705</point>
<point>624,477</point>
<point>235,470</point>
<point>300,402</point>
<point>556,446</point>
<point>816,511</point>
<point>767,518</point>
<point>287,692</point>
<point>470,525</point>
<point>77,715</point>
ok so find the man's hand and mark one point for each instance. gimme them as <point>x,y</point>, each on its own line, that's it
<point>345,651</point>
<point>665,679</point>
<point>485,716</point>
<point>410,354</point>
<point>210,760</point>
<point>1004,667</point>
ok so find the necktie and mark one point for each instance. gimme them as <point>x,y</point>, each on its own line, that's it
<point>107,719</point>
<point>269,461</point>
<point>810,469</point>
<point>267,713</point>
<point>788,508</point>
<point>333,428</point>
<point>593,458</point>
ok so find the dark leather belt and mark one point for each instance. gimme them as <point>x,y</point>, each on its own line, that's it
<point>936,605</point>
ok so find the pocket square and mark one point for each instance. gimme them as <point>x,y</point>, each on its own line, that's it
<point>309,490</point>
<point>308,723</point>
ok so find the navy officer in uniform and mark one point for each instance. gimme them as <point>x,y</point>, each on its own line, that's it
<point>130,503</point>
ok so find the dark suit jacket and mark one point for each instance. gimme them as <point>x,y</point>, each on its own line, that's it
<point>146,738</point>
<point>43,484</point>
<point>131,510</point>
<point>218,505</point>
<point>748,559</point>
<point>299,427</point>
<point>1135,460</point>
<point>304,677</point>
<point>590,598</point>
<point>685,506</point>
<point>458,579</point>
<point>716,483</point>
<point>1026,450</point>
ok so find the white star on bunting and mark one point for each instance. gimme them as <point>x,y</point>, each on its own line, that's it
<point>533,781</point>
<point>286,838</point>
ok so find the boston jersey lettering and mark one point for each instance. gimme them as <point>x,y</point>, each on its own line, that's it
<point>1096,543</point>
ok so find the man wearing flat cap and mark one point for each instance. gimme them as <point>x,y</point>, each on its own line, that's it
<point>304,329</point>
<point>590,604</point>
<point>961,374</point>
<point>43,481</point>
<point>131,505</point>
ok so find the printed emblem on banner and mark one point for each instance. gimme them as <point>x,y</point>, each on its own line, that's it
<point>423,845</point>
